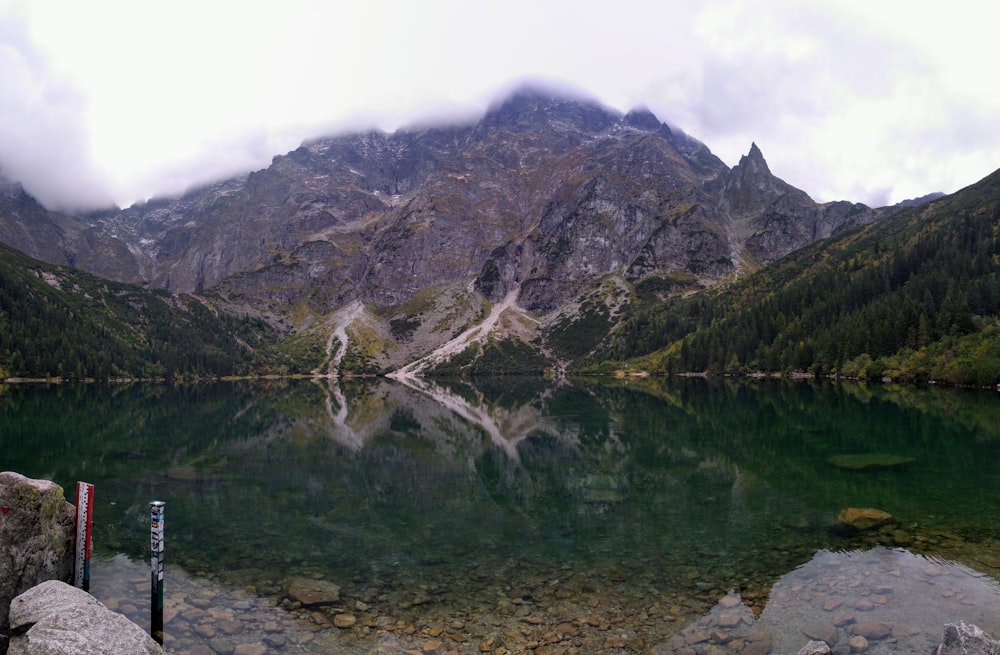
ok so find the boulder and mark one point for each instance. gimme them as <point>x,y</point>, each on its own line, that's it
<point>37,532</point>
<point>54,618</point>
<point>312,593</point>
<point>860,519</point>
<point>966,639</point>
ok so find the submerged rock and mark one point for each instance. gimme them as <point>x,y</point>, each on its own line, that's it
<point>825,632</point>
<point>313,593</point>
<point>860,519</point>
<point>863,461</point>
<point>871,630</point>
<point>815,647</point>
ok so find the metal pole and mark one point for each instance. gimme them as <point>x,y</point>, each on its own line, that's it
<point>84,534</point>
<point>156,566</point>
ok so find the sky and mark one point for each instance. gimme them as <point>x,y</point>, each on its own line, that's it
<point>115,101</point>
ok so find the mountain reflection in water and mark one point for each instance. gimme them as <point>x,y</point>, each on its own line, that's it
<point>637,505</point>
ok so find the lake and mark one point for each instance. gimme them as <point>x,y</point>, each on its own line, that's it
<point>516,515</point>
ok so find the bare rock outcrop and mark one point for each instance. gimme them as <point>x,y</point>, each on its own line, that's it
<point>966,639</point>
<point>36,538</point>
<point>55,618</point>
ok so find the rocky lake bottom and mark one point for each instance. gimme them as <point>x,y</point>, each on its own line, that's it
<point>877,599</point>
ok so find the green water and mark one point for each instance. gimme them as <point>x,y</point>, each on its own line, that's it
<point>671,488</point>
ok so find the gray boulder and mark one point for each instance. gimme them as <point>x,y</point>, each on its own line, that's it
<point>36,538</point>
<point>55,618</point>
<point>966,639</point>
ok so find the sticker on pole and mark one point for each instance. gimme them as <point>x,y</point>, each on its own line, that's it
<point>156,510</point>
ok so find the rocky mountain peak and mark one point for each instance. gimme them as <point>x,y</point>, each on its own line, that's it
<point>753,162</point>
<point>532,106</point>
<point>641,118</point>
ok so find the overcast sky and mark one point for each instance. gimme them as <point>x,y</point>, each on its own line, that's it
<point>108,101</point>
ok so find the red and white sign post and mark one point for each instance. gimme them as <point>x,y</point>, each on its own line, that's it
<point>84,534</point>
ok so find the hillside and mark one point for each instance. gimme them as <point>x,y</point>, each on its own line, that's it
<point>59,322</point>
<point>915,296</point>
<point>377,250</point>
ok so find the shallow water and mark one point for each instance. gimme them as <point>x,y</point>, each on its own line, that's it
<point>503,511</point>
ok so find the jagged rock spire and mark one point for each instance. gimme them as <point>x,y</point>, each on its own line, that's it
<point>754,160</point>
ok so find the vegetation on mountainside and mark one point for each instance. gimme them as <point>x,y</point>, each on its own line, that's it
<point>915,296</point>
<point>507,356</point>
<point>59,322</point>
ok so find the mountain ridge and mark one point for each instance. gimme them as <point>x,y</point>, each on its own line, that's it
<point>545,195</point>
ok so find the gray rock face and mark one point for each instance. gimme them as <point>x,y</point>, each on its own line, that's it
<point>55,618</point>
<point>546,193</point>
<point>966,639</point>
<point>36,537</point>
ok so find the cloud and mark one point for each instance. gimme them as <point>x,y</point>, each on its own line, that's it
<point>848,99</point>
<point>862,101</point>
<point>44,137</point>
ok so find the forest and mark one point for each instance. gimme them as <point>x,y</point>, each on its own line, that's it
<point>915,296</point>
<point>56,322</point>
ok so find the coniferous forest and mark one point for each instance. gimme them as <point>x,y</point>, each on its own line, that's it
<point>915,296</point>
<point>59,322</point>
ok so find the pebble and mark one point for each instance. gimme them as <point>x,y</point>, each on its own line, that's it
<point>276,641</point>
<point>842,619</point>
<point>858,644</point>
<point>199,649</point>
<point>815,647</point>
<point>205,630</point>
<point>730,619</point>
<point>758,647</point>
<point>222,646</point>
<point>344,621</point>
<point>250,649</point>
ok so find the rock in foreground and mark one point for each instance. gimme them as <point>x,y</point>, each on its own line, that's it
<point>54,618</point>
<point>36,537</point>
<point>966,639</point>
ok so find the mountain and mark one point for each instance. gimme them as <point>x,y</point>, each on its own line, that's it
<point>382,249</point>
<point>915,296</point>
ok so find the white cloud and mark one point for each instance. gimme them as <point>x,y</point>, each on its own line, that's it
<point>847,99</point>
<point>42,131</point>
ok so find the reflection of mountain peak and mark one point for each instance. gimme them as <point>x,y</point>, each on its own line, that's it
<point>506,427</point>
